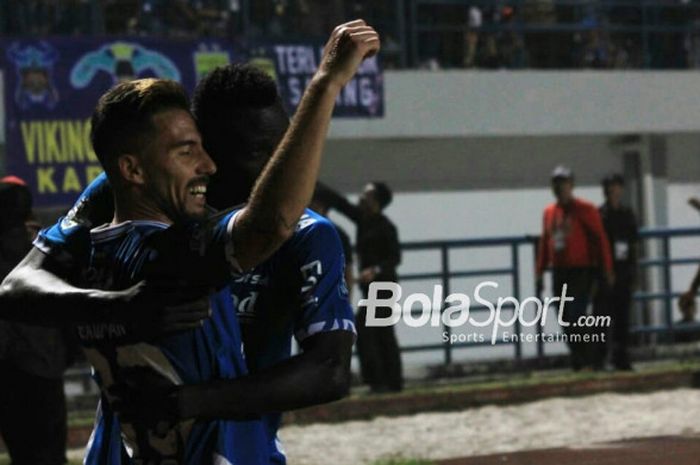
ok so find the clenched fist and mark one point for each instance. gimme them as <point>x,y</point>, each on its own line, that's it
<point>348,46</point>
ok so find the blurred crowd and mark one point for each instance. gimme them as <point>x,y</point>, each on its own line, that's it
<point>560,34</point>
<point>291,19</point>
<point>600,34</point>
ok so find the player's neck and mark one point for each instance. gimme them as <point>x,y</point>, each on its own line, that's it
<point>127,208</point>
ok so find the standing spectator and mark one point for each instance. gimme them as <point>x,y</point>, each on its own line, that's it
<point>32,359</point>
<point>686,302</point>
<point>547,50</point>
<point>472,36</point>
<point>596,50</point>
<point>687,328</point>
<point>573,243</point>
<point>621,228</point>
<point>510,43</point>
<point>378,252</point>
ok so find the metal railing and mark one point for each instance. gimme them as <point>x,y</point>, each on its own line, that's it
<point>666,262</point>
<point>663,260</point>
<point>515,246</point>
<point>446,274</point>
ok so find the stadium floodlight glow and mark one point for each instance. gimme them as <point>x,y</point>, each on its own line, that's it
<point>457,309</point>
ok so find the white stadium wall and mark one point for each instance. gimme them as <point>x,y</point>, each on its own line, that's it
<point>481,103</point>
<point>469,153</point>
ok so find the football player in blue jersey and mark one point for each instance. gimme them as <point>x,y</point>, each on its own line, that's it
<point>298,293</point>
<point>162,179</point>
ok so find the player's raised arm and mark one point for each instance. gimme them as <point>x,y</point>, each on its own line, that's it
<point>287,183</point>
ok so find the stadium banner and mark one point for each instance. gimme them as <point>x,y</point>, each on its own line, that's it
<point>293,65</point>
<point>52,86</point>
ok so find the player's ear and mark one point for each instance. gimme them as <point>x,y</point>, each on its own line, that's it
<point>131,169</point>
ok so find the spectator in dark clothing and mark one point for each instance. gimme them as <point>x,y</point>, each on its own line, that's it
<point>574,244</point>
<point>32,359</point>
<point>622,232</point>
<point>686,302</point>
<point>687,328</point>
<point>379,254</point>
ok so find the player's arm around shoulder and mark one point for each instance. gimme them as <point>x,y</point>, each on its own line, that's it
<point>331,353</point>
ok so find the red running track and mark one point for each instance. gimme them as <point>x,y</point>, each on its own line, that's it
<point>669,450</point>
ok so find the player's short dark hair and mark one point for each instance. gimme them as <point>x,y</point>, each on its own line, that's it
<point>222,99</point>
<point>383,194</point>
<point>122,120</point>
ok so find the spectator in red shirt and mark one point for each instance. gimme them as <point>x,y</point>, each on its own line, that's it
<point>574,245</point>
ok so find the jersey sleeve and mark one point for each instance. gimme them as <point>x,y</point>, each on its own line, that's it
<point>223,224</point>
<point>324,294</point>
<point>69,239</point>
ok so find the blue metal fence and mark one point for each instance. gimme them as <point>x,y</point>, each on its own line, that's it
<point>667,295</point>
<point>514,244</point>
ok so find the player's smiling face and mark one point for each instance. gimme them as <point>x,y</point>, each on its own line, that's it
<point>177,167</point>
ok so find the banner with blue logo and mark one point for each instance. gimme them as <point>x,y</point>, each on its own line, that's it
<point>52,86</point>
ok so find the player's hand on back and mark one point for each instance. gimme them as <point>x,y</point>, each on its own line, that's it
<point>180,306</point>
<point>154,406</point>
<point>349,44</point>
<point>157,309</point>
<point>185,266</point>
<point>187,256</point>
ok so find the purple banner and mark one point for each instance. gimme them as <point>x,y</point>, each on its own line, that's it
<point>52,86</point>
